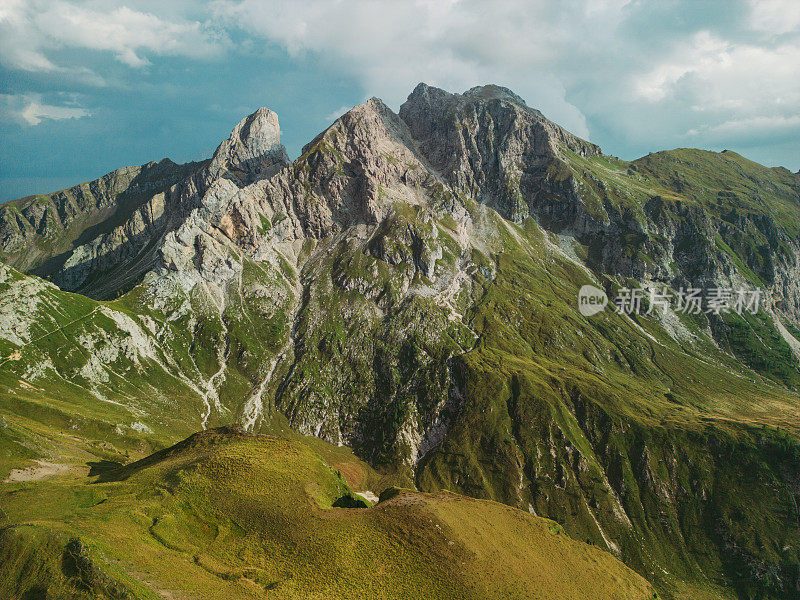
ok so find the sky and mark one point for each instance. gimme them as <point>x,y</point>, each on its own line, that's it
<point>90,86</point>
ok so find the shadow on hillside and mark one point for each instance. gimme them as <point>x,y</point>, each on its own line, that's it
<point>102,467</point>
<point>350,501</point>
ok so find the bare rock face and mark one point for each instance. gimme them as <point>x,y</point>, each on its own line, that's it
<point>442,150</point>
<point>254,148</point>
<point>126,237</point>
<point>352,173</point>
<point>484,144</point>
<point>37,232</point>
<point>487,142</point>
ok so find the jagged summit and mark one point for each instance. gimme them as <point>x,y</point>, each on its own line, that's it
<point>488,143</point>
<point>364,124</point>
<point>494,92</point>
<point>480,93</point>
<point>485,144</point>
<point>252,148</point>
<point>428,106</point>
<point>103,236</point>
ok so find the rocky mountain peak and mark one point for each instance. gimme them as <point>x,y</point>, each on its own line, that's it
<point>252,148</point>
<point>427,102</point>
<point>372,128</point>
<point>428,109</point>
<point>488,144</point>
<point>359,127</point>
<point>485,93</point>
<point>431,96</point>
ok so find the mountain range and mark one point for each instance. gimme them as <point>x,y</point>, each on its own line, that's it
<point>407,288</point>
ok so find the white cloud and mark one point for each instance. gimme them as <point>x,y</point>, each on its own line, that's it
<point>775,17</point>
<point>742,130</point>
<point>724,93</point>
<point>31,30</point>
<point>706,55</point>
<point>456,44</point>
<point>31,110</point>
<point>718,74</point>
<point>33,113</point>
<point>333,115</point>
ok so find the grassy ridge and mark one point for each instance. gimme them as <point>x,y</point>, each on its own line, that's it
<point>224,515</point>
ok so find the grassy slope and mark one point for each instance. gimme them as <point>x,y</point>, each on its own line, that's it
<point>719,182</point>
<point>755,208</point>
<point>47,398</point>
<point>224,515</point>
<point>584,412</point>
<point>724,182</point>
<point>78,373</point>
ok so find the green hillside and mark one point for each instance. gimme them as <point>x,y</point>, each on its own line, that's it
<point>225,515</point>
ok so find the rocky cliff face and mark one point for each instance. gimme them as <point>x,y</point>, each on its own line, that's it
<point>489,145</point>
<point>42,228</point>
<point>408,285</point>
<point>99,238</point>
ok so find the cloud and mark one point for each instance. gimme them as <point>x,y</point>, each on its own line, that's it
<point>391,46</point>
<point>33,113</point>
<point>705,55</point>
<point>717,74</point>
<point>775,17</point>
<point>721,92</point>
<point>32,30</point>
<point>750,131</point>
<point>30,109</point>
<point>333,115</point>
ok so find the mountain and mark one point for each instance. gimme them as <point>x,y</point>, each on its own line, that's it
<point>408,287</point>
<point>110,226</point>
